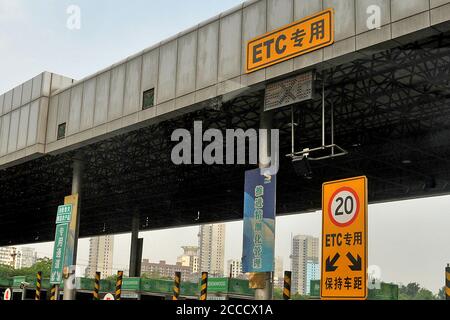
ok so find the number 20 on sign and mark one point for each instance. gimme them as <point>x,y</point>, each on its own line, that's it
<point>344,239</point>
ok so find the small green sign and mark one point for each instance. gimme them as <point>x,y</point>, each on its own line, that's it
<point>131,284</point>
<point>17,281</point>
<point>64,214</point>
<point>59,251</point>
<point>218,285</point>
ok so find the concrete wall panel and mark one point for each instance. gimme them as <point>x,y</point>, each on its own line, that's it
<point>33,123</point>
<point>88,106</point>
<point>345,24</point>
<point>401,9</point>
<point>76,99</point>
<point>17,97</point>
<point>47,83</point>
<point>13,131</point>
<point>279,13</point>
<point>133,86</point>
<point>63,108</point>
<point>253,25</point>
<point>187,59</point>
<point>6,121</point>
<point>59,82</point>
<point>167,72</point>
<point>115,108</point>
<point>23,127</point>
<point>208,46</point>
<point>37,87</point>
<point>304,8</point>
<point>52,118</point>
<point>150,70</point>
<point>26,92</point>
<point>2,99</point>
<point>7,104</point>
<point>438,3</point>
<point>230,46</point>
<point>42,119</point>
<point>101,98</point>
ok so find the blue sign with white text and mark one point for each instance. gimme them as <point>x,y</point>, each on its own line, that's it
<point>259,222</point>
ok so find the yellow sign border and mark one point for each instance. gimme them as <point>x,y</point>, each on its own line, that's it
<point>366,232</point>
<point>331,11</point>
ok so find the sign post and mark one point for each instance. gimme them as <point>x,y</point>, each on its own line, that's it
<point>447,282</point>
<point>63,219</point>
<point>344,239</point>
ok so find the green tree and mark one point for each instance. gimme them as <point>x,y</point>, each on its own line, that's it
<point>413,291</point>
<point>441,294</point>
<point>112,278</point>
<point>278,294</point>
<point>425,294</point>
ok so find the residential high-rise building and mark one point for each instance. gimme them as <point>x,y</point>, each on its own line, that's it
<point>234,268</point>
<point>312,273</point>
<point>100,256</point>
<point>8,256</point>
<point>189,258</point>
<point>165,270</point>
<point>304,262</point>
<point>212,249</point>
<point>278,275</point>
<point>17,257</point>
<point>25,258</point>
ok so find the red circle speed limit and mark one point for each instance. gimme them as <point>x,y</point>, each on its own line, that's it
<point>343,207</point>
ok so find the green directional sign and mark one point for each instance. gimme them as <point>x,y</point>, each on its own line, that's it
<point>59,251</point>
<point>64,214</point>
<point>131,284</point>
<point>218,285</point>
<point>17,281</point>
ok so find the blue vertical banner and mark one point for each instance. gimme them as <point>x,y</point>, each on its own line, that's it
<point>259,222</point>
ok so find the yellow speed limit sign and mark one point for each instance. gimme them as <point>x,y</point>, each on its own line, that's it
<point>344,239</point>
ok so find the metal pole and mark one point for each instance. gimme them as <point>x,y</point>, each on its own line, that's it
<point>176,286</point>
<point>134,251</point>
<point>54,292</point>
<point>96,286</point>
<point>332,128</point>
<point>119,285</point>
<point>77,182</point>
<point>266,119</point>
<point>38,286</point>
<point>292,131</point>
<point>24,292</point>
<point>287,285</point>
<point>204,286</point>
<point>323,113</point>
<point>447,282</point>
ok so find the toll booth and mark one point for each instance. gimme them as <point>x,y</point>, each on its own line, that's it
<point>136,289</point>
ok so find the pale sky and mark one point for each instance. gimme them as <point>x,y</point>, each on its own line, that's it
<point>408,240</point>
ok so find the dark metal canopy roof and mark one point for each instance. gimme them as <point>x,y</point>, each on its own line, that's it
<point>392,114</point>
